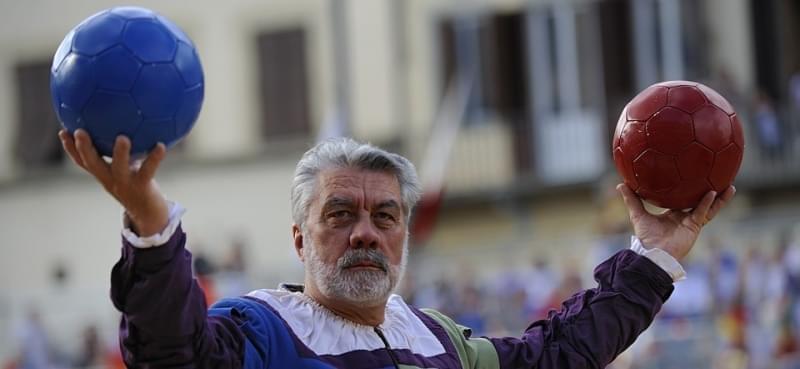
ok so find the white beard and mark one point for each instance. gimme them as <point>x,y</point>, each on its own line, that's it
<point>359,286</point>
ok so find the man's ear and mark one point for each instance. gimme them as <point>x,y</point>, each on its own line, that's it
<point>297,236</point>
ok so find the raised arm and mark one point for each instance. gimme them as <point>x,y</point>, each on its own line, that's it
<point>596,325</point>
<point>165,322</point>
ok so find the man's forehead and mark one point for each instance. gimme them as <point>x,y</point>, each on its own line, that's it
<point>343,183</point>
<point>353,177</point>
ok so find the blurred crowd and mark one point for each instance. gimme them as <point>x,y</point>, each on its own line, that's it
<point>738,308</point>
<point>98,348</point>
<point>38,351</point>
<point>735,309</point>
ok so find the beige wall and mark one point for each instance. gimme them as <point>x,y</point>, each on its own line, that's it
<point>731,41</point>
<point>72,219</point>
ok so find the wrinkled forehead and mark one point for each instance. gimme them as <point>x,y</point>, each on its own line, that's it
<point>357,184</point>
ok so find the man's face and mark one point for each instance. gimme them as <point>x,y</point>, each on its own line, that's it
<point>354,241</point>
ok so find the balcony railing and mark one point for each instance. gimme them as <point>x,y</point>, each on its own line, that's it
<point>772,153</point>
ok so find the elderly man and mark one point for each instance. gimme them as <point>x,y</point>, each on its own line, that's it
<point>351,205</point>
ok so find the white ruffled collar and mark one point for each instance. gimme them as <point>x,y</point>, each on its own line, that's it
<point>391,312</point>
<point>326,333</point>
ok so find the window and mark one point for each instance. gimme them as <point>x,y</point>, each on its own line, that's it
<point>284,84</point>
<point>36,145</point>
<point>615,30</point>
<point>494,44</point>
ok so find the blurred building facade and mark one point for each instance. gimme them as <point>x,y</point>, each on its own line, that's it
<point>511,103</point>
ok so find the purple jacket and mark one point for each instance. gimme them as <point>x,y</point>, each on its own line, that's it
<point>166,323</point>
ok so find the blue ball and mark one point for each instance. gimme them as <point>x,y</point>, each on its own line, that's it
<point>127,71</point>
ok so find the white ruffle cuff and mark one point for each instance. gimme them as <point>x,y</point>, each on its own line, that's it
<point>661,258</point>
<point>176,211</point>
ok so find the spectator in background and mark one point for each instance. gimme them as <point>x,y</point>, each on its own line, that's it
<point>35,350</point>
<point>204,271</point>
<point>538,295</point>
<point>767,127</point>
<point>764,286</point>
<point>727,287</point>
<point>235,261</point>
<point>794,95</point>
<point>92,352</point>
<point>794,89</point>
<point>726,84</point>
<point>231,280</point>
<point>793,266</point>
<point>471,312</point>
<point>791,260</point>
<point>754,270</point>
<point>693,296</point>
<point>570,284</point>
<point>436,294</point>
<point>504,303</point>
<point>724,275</point>
<point>786,345</point>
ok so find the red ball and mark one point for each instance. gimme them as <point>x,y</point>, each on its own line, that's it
<point>677,140</point>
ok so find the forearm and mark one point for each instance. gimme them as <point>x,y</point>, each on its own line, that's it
<point>596,325</point>
<point>152,218</point>
<point>154,286</point>
<point>164,319</point>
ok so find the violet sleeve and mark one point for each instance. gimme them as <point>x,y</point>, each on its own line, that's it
<point>164,317</point>
<point>595,325</point>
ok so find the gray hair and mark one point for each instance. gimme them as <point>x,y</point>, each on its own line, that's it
<point>340,153</point>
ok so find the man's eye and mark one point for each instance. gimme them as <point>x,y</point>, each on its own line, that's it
<point>386,217</point>
<point>339,214</point>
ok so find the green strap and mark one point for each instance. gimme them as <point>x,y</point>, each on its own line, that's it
<point>474,353</point>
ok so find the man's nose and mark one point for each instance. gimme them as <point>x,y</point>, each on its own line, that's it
<point>364,234</point>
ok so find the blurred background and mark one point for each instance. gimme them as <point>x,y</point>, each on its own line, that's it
<point>506,107</point>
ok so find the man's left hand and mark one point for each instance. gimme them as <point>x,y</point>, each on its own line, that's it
<point>673,231</point>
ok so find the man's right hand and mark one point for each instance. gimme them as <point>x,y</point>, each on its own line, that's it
<point>132,184</point>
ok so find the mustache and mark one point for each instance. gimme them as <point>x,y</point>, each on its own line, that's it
<point>355,257</point>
